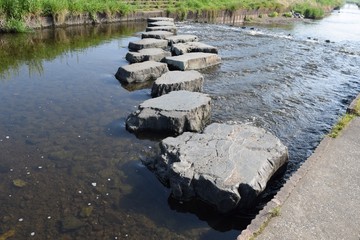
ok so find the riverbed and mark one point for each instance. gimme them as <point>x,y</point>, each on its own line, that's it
<point>70,170</point>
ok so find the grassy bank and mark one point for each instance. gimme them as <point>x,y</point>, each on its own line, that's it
<point>15,12</point>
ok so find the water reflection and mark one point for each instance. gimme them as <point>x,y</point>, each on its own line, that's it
<point>35,48</point>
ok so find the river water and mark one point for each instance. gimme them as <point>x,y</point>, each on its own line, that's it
<point>70,170</point>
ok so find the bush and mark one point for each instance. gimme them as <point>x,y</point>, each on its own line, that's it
<point>309,11</point>
<point>15,25</point>
<point>273,14</point>
<point>288,15</point>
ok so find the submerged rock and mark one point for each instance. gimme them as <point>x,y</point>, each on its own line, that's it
<point>86,211</point>
<point>172,113</point>
<point>71,223</point>
<point>141,72</point>
<point>19,183</point>
<point>226,166</point>
<point>177,80</point>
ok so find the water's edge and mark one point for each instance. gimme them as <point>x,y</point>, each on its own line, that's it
<point>282,195</point>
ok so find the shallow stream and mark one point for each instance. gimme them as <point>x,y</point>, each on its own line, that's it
<point>70,170</point>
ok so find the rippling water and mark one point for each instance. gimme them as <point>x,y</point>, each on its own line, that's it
<point>68,168</point>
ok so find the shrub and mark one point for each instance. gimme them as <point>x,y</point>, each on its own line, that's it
<point>273,14</point>
<point>288,15</point>
<point>13,25</point>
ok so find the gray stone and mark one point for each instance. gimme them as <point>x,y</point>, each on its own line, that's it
<point>226,166</point>
<point>177,80</point>
<point>172,29</point>
<point>71,223</point>
<point>148,43</point>
<point>172,113</point>
<point>147,54</point>
<point>182,48</point>
<point>182,39</point>
<point>156,19</point>
<point>193,61</point>
<point>157,34</point>
<point>161,24</point>
<point>141,72</point>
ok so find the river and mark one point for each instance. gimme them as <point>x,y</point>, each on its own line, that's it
<point>70,170</point>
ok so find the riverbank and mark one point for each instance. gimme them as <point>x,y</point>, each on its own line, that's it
<point>19,16</point>
<point>320,200</point>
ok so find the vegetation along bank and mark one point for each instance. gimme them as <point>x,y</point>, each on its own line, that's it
<point>20,15</point>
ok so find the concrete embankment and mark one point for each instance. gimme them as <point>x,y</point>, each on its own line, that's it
<point>320,200</point>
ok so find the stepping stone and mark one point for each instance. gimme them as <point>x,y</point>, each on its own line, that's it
<point>157,34</point>
<point>177,80</point>
<point>193,61</point>
<point>182,48</point>
<point>172,113</point>
<point>157,19</point>
<point>147,54</point>
<point>141,72</point>
<point>227,166</point>
<point>161,24</point>
<point>172,29</point>
<point>182,39</point>
<point>148,43</point>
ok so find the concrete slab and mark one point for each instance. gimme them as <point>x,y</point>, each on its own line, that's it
<point>157,34</point>
<point>226,166</point>
<point>177,80</point>
<point>193,61</point>
<point>156,19</point>
<point>172,113</point>
<point>161,23</point>
<point>141,72</point>
<point>182,48</point>
<point>147,54</point>
<point>181,39</point>
<point>148,43</point>
<point>172,29</point>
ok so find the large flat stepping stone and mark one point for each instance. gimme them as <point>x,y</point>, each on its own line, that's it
<point>193,61</point>
<point>182,48</point>
<point>157,34</point>
<point>176,81</point>
<point>147,54</point>
<point>148,43</point>
<point>182,39</point>
<point>157,19</point>
<point>161,23</point>
<point>227,166</point>
<point>172,113</point>
<point>141,72</point>
<point>172,29</point>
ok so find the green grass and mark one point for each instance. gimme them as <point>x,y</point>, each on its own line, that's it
<point>357,108</point>
<point>275,212</point>
<point>15,11</point>
<point>341,124</point>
